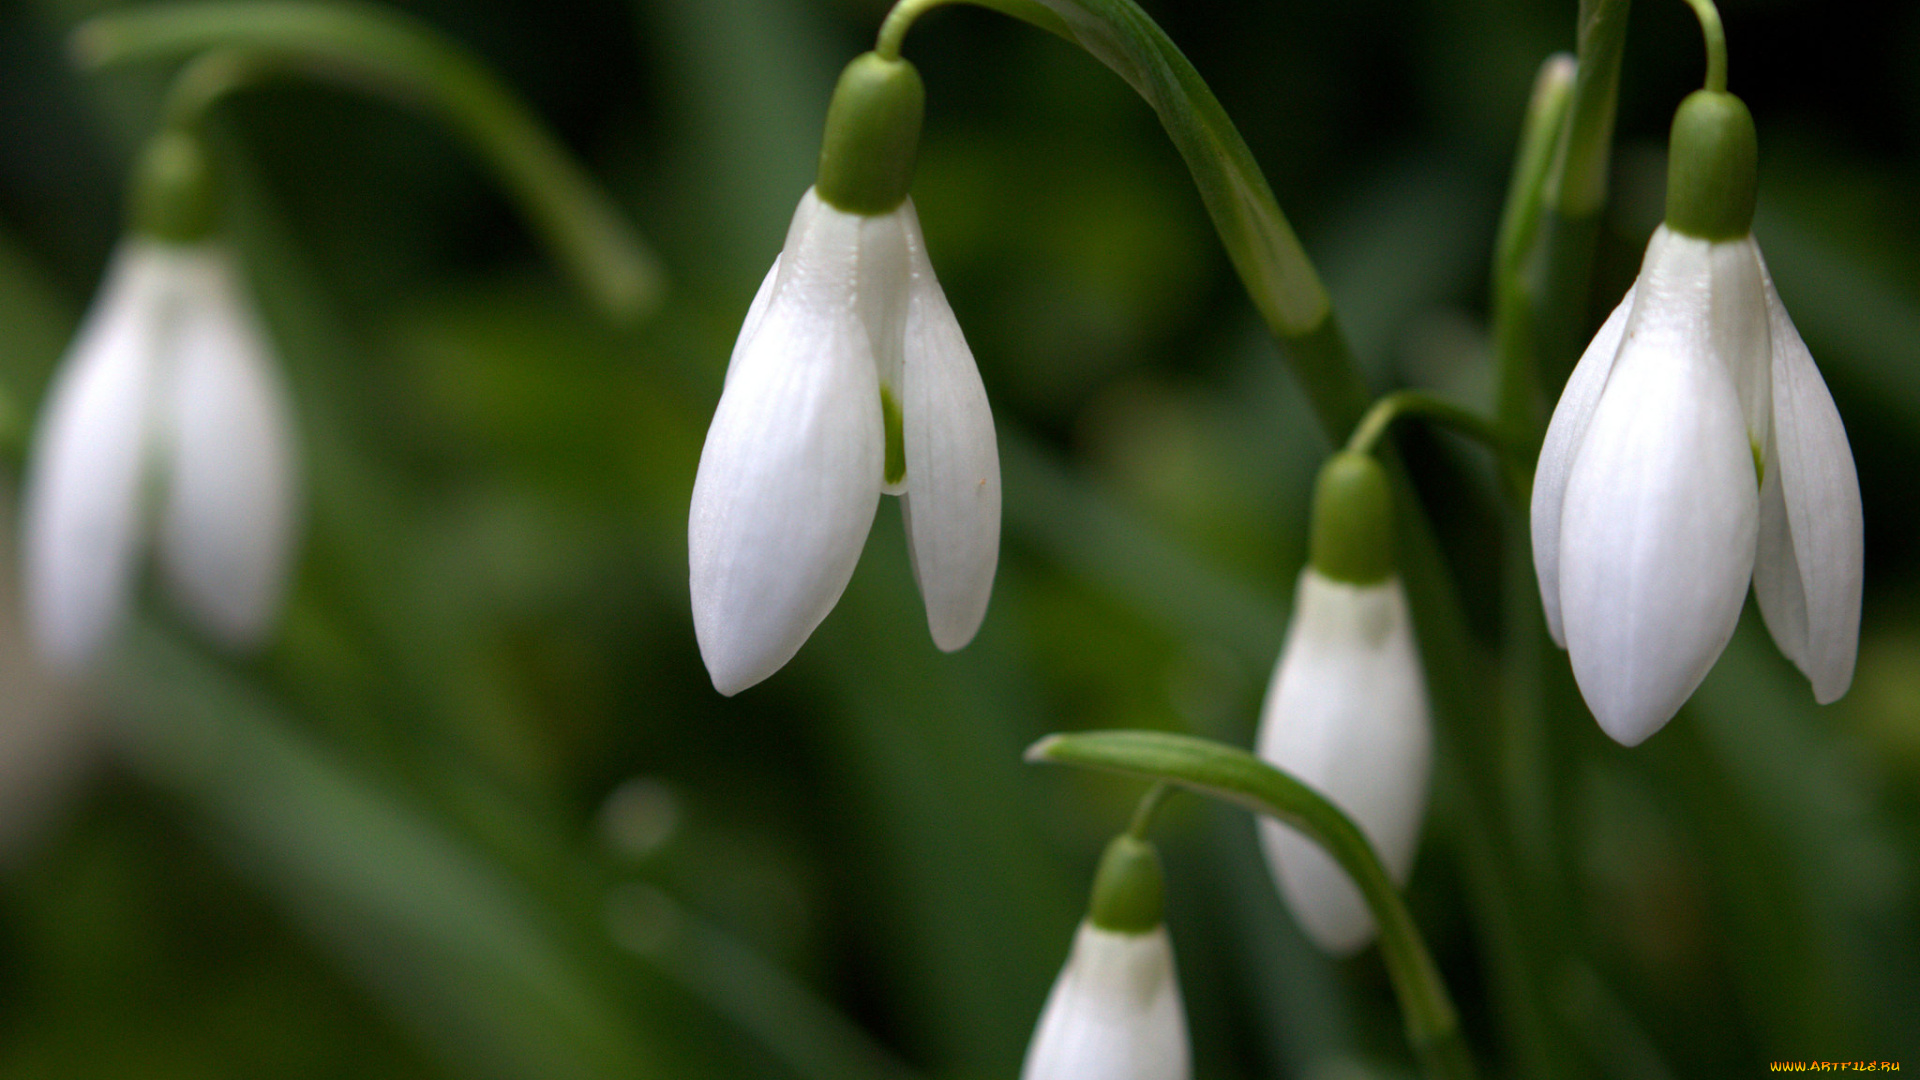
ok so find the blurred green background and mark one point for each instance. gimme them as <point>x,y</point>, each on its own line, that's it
<point>478,811</point>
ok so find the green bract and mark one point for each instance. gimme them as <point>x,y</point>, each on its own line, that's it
<point>172,195</point>
<point>1353,520</point>
<point>1129,890</point>
<point>873,132</point>
<point>1712,163</point>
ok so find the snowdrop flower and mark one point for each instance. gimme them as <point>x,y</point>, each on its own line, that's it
<point>850,378</point>
<point>1114,1013</point>
<point>1347,710</point>
<point>1695,449</point>
<point>166,414</point>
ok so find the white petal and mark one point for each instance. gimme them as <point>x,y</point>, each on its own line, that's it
<point>1113,1014</point>
<point>756,311</point>
<point>953,464</point>
<point>1658,526</point>
<point>81,518</point>
<point>1738,321</point>
<point>1807,574</point>
<point>1347,714</point>
<point>1564,435</point>
<point>227,529</point>
<point>790,475</point>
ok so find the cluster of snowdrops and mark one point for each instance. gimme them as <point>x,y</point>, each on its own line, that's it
<point>1693,452</point>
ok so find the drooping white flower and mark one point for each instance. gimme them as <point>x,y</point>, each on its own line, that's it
<point>1114,1013</point>
<point>1695,449</point>
<point>1347,714</point>
<point>849,327</point>
<point>166,412</point>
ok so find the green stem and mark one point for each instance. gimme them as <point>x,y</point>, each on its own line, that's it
<point>1402,403</point>
<point>1540,133</point>
<point>207,78</point>
<point>1580,173</point>
<point>363,46</point>
<point>1716,36</point>
<point>1577,193</point>
<point>1516,352</point>
<point>900,18</point>
<point>1235,776</point>
<point>1150,804</point>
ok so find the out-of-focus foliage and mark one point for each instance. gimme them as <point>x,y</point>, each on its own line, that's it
<point>478,812</point>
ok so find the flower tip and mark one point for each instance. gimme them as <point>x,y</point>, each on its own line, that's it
<point>1834,685</point>
<point>745,635</point>
<point>1632,701</point>
<point>949,637</point>
<point>731,670</point>
<point>1629,726</point>
<point>1325,903</point>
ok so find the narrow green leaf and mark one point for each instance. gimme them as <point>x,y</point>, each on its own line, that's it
<point>1516,350</point>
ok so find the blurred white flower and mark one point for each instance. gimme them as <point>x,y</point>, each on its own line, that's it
<point>1347,714</point>
<point>166,413</point>
<point>1695,448</point>
<point>1114,1013</point>
<point>849,345</point>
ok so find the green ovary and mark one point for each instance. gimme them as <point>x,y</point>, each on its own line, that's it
<point>896,468</point>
